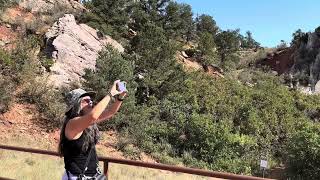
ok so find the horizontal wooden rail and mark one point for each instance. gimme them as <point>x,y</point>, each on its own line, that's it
<point>1,178</point>
<point>107,160</point>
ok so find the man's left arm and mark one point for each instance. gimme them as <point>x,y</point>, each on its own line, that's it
<point>110,112</point>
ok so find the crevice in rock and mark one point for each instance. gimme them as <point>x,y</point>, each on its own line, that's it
<point>49,47</point>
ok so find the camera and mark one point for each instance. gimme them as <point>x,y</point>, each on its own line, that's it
<point>121,87</point>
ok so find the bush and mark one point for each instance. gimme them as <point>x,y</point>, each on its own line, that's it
<point>165,158</point>
<point>125,145</point>
<point>59,10</point>
<point>303,157</point>
<point>222,124</point>
<point>5,62</point>
<point>109,17</point>
<point>27,70</point>
<point>193,162</point>
<point>22,67</point>
<point>35,26</point>
<point>48,100</point>
<point>7,85</point>
<point>46,62</point>
<point>192,118</point>
<point>36,90</point>
<point>6,93</point>
<point>6,3</point>
<point>25,63</point>
<point>131,152</point>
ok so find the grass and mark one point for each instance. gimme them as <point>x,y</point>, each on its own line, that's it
<point>27,166</point>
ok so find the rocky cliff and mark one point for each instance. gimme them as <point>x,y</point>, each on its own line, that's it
<point>74,47</point>
<point>307,60</point>
<point>300,62</point>
<point>44,6</point>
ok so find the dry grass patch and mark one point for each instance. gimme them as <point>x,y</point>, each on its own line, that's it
<point>27,166</point>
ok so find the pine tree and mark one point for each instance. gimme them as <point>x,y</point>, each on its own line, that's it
<point>228,42</point>
<point>178,21</point>
<point>206,23</point>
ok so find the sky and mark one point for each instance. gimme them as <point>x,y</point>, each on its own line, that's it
<point>270,21</point>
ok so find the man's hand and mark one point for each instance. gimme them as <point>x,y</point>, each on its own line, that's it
<point>113,90</point>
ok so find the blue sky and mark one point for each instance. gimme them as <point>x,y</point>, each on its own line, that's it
<point>269,20</point>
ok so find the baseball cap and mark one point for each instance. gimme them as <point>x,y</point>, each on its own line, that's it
<point>73,97</point>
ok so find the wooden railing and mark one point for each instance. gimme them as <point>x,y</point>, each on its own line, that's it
<point>107,160</point>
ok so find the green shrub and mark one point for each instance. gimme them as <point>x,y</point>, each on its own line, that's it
<point>24,62</point>
<point>110,66</point>
<point>5,63</point>
<point>46,62</point>
<point>165,158</point>
<point>27,71</point>
<point>193,162</point>
<point>6,93</point>
<point>125,145</point>
<point>48,100</point>
<point>5,58</point>
<point>7,84</point>
<point>110,18</point>
<point>303,152</point>
<point>35,25</point>
<point>96,22</point>
<point>7,3</point>
<point>216,124</point>
<point>131,152</point>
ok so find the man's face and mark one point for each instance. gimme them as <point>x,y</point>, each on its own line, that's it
<point>86,104</point>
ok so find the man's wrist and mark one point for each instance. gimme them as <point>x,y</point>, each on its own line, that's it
<point>110,94</point>
<point>120,98</point>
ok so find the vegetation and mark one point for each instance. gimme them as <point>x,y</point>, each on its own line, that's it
<point>215,124</point>
<point>22,68</point>
<point>248,41</point>
<point>190,117</point>
<point>6,95</point>
<point>6,84</point>
<point>303,152</point>
<point>6,3</point>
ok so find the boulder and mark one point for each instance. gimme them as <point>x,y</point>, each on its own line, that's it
<point>43,6</point>
<point>74,47</point>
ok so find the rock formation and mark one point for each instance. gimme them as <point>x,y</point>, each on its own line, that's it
<point>74,47</point>
<point>43,6</point>
<point>300,62</point>
<point>307,60</point>
<point>280,61</point>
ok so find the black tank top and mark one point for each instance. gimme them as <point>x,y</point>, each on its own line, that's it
<point>75,159</point>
